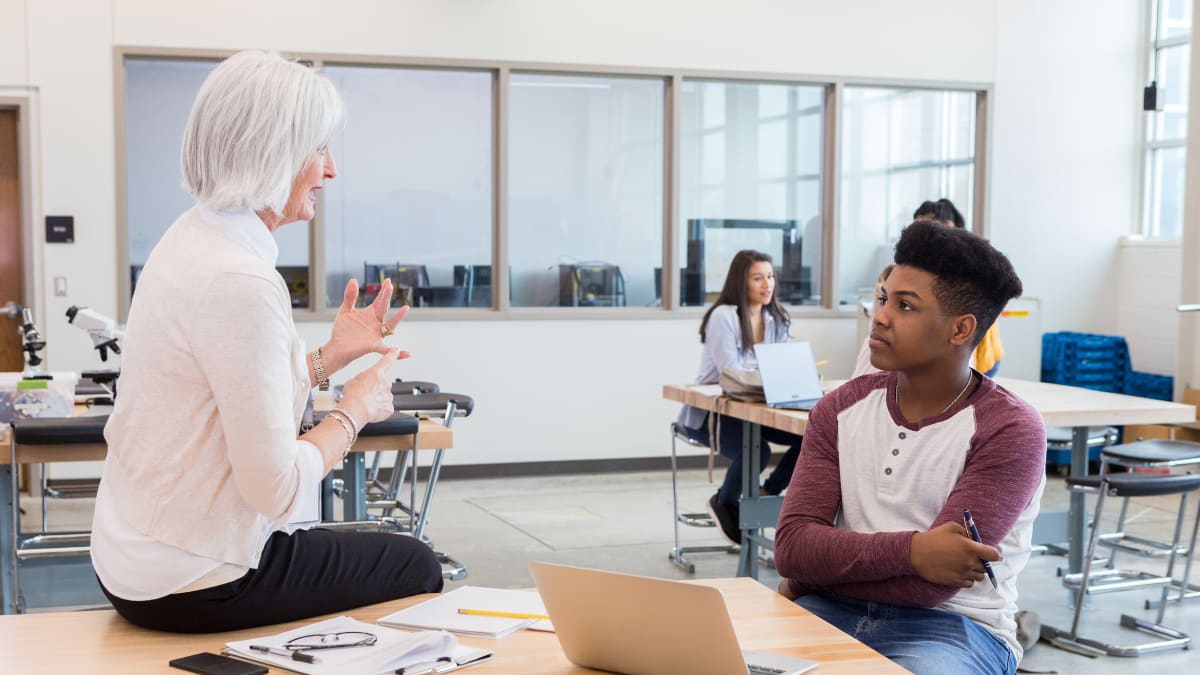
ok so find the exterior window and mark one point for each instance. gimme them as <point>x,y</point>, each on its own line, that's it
<point>1166,128</point>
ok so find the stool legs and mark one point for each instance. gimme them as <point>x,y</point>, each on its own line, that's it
<point>677,555</point>
<point>1071,640</point>
<point>1187,590</point>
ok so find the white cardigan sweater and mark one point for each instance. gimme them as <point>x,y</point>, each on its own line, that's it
<point>203,457</point>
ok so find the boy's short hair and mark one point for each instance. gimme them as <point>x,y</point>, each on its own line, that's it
<point>972,277</point>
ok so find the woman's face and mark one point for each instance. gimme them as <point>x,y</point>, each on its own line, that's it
<point>301,203</point>
<point>760,283</point>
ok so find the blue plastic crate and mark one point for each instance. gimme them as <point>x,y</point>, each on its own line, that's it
<point>1099,362</point>
<point>1149,385</point>
<point>1062,458</point>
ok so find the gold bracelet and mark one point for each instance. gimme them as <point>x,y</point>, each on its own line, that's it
<point>347,427</point>
<point>319,369</point>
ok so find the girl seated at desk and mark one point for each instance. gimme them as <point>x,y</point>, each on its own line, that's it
<point>746,313</point>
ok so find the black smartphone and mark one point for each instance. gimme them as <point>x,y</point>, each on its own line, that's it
<point>207,663</point>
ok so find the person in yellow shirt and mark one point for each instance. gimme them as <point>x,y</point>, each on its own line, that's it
<point>990,350</point>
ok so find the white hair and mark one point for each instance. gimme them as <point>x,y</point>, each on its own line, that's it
<point>257,122</point>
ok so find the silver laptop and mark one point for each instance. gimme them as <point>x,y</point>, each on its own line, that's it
<point>642,626</point>
<point>789,375</point>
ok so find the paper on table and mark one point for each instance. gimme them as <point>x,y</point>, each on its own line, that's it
<point>442,612</point>
<point>393,649</point>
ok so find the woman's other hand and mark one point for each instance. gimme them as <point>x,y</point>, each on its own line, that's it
<point>361,331</point>
<point>368,395</point>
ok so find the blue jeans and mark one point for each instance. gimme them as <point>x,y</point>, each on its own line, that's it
<point>922,640</point>
<point>730,446</point>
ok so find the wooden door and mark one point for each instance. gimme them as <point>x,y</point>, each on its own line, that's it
<point>11,358</point>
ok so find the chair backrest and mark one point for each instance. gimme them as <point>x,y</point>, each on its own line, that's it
<point>413,276</point>
<point>440,296</point>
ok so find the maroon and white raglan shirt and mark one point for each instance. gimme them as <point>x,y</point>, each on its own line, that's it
<point>867,481</point>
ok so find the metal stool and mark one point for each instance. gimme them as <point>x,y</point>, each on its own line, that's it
<point>47,436</point>
<point>1084,583</point>
<point>1154,454</point>
<point>692,519</point>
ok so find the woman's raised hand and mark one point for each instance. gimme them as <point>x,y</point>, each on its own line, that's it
<point>361,331</point>
<point>368,395</point>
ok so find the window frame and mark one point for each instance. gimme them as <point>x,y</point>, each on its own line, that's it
<point>672,80</point>
<point>1148,207</point>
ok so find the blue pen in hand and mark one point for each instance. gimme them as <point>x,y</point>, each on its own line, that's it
<point>987,566</point>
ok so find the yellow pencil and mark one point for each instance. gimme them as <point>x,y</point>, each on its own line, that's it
<point>506,615</point>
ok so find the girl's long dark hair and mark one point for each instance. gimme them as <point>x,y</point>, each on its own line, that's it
<point>734,293</point>
<point>943,210</point>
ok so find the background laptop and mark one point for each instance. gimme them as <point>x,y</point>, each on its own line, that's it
<point>643,626</point>
<point>789,375</point>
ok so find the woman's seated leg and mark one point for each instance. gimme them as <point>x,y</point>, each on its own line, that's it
<point>304,574</point>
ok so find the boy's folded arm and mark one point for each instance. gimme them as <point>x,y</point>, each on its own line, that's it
<point>907,591</point>
<point>808,548</point>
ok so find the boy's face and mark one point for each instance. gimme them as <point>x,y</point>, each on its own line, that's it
<point>910,328</point>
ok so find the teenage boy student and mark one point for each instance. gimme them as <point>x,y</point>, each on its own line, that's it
<point>871,536</point>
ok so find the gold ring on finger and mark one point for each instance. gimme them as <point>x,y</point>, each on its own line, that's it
<point>387,331</point>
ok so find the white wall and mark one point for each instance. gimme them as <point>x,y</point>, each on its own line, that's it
<point>1148,292</point>
<point>12,42</point>
<point>1064,163</point>
<point>1062,167</point>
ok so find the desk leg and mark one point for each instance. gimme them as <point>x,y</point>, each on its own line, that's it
<point>9,505</point>
<point>751,467</point>
<point>1077,516</point>
<point>354,499</point>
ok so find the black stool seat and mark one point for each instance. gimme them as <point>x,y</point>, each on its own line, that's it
<point>397,425</point>
<point>1139,484</point>
<point>1062,436</point>
<point>414,387</point>
<point>433,402</point>
<point>1156,451</point>
<point>59,430</point>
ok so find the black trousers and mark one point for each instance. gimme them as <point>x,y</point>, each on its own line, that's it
<point>304,574</point>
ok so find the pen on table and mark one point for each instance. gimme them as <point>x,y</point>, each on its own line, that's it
<point>295,656</point>
<point>987,566</point>
<point>433,667</point>
<point>506,615</point>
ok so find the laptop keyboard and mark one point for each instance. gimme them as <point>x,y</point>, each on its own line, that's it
<point>764,670</point>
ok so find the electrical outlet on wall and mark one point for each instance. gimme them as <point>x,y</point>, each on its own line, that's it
<point>60,287</point>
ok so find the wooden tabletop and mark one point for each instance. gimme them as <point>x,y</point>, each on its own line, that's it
<point>1063,406</point>
<point>101,643</point>
<point>1059,406</point>
<point>708,397</point>
<point>431,435</point>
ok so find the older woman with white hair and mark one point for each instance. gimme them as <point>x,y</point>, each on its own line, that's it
<point>205,466</point>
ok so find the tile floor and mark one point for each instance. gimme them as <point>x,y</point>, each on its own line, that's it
<point>622,522</point>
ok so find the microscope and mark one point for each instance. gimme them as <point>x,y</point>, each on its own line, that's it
<point>100,328</point>
<point>104,333</point>
<point>32,343</point>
